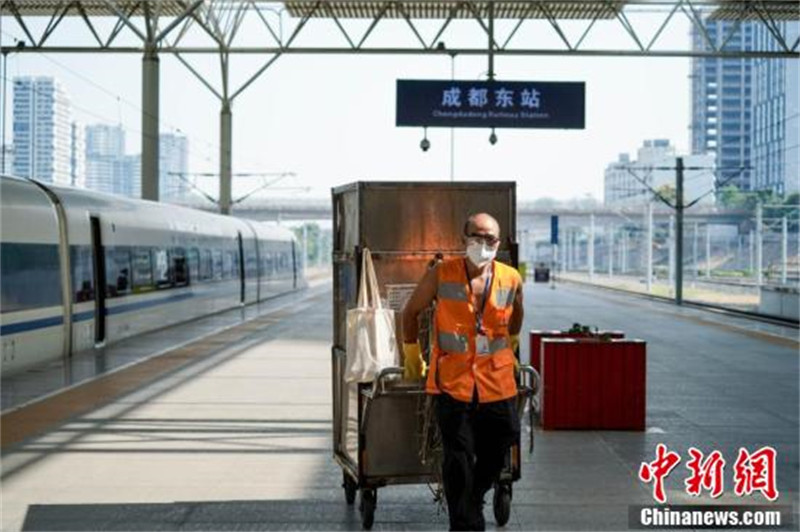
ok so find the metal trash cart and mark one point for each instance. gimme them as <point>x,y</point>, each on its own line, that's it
<point>384,432</point>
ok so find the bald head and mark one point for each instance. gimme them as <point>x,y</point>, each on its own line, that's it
<point>483,224</point>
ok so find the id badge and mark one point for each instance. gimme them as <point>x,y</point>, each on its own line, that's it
<point>482,344</point>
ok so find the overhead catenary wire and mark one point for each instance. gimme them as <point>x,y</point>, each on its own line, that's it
<point>100,117</point>
<point>193,138</point>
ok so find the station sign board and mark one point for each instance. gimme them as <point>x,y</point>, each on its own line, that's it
<point>485,104</point>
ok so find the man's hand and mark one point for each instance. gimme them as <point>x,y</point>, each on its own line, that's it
<point>413,365</point>
<point>420,299</point>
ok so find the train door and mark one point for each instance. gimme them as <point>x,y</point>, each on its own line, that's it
<point>295,265</point>
<point>99,267</point>
<point>259,271</point>
<point>241,267</point>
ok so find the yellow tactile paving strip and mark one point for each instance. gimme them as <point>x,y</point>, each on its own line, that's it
<point>35,418</point>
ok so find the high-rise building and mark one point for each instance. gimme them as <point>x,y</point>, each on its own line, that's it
<point>619,184</point>
<point>7,164</point>
<point>776,110</point>
<point>746,110</point>
<point>130,171</point>
<point>721,99</point>
<point>77,155</point>
<point>105,150</point>
<point>42,130</point>
<point>173,160</point>
<point>626,181</point>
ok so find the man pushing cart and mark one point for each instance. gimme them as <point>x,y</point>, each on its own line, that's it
<point>462,428</point>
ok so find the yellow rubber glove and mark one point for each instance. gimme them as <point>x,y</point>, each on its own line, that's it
<point>413,365</point>
<point>515,343</point>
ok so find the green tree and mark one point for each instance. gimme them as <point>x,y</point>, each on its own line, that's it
<point>312,233</point>
<point>730,196</point>
<point>763,197</point>
<point>793,215</point>
<point>668,192</point>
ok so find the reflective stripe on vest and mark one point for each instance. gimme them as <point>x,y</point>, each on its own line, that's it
<point>496,344</point>
<point>453,343</point>
<point>452,291</point>
<point>503,297</point>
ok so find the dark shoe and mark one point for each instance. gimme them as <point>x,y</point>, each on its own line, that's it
<point>478,522</point>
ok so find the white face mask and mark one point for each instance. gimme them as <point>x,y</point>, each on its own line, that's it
<point>479,253</point>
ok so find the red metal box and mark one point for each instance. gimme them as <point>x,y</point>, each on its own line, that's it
<point>536,341</point>
<point>593,384</point>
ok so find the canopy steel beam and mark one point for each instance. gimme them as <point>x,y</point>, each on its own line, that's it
<point>222,21</point>
<point>194,50</point>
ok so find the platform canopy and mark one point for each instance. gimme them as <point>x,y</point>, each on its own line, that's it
<point>536,9</point>
<point>419,9</point>
<point>756,10</point>
<point>442,9</point>
<point>96,8</point>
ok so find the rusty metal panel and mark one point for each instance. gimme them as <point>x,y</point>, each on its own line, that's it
<point>413,217</point>
<point>405,225</point>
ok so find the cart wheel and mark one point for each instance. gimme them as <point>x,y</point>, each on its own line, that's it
<point>350,488</point>
<point>501,503</point>
<point>368,501</point>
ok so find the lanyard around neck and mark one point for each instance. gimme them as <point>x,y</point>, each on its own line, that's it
<point>485,296</point>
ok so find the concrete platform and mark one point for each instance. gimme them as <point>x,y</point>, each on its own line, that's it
<point>240,438</point>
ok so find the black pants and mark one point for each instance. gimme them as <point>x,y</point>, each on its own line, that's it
<point>476,438</point>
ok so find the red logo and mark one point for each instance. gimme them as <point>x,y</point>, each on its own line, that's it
<point>756,472</point>
<point>752,472</point>
<point>657,470</point>
<point>706,474</point>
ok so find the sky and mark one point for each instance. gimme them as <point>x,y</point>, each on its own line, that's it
<point>331,119</point>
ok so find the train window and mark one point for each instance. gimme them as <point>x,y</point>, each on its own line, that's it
<point>161,269</point>
<point>142,270</point>
<point>30,276</point>
<point>227,264</point>
<point>118,271</point>
<point>206,266</point>
<point>269,266</point>
<point>251,263</point>
<point>82,273</point>
<point>180,268</point>
<point>284,261</point>
<point>235,264</point>
<point>194,265</point>
<point>217,264</point>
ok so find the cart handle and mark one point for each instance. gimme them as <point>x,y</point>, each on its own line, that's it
<point>531,382</point>
<point>533,378</point>
<point>380,380</point>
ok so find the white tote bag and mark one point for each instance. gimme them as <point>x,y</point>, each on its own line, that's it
<point>371,341</point>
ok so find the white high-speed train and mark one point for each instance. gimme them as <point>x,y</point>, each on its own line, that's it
<point>82,269</point>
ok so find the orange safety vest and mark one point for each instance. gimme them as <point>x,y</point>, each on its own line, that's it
<point>455,367</point>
